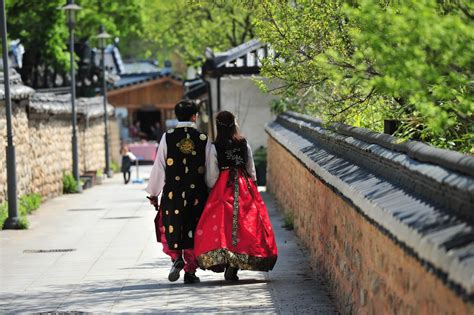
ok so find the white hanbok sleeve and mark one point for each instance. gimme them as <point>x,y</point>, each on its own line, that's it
<point>250,164</point>
<point>212,167</point>
<point>157,175</point>
<point>131,156</point>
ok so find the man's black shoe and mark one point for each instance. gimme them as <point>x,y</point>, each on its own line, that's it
<point>230,274</point>
<point>191,278</point>
<point>178,265</point>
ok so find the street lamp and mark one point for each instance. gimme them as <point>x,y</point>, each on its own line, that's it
<point>12,220</point>
<point>70,8</point>
<point>102,38</point>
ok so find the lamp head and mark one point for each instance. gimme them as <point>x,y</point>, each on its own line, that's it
<point>70,8</point>
<point>102,37</point>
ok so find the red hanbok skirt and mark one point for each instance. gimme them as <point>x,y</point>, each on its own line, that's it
<point>234,234</point>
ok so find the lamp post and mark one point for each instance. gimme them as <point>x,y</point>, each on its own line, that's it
<point>12,220</point>
<point>70,8</point>
<point>102,38</point>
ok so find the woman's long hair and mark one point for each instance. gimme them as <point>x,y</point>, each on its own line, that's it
<point>227,131</point>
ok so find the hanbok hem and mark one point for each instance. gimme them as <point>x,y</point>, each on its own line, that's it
<point>217,260</point>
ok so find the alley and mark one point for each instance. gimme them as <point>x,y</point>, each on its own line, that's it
<point>97,252</point>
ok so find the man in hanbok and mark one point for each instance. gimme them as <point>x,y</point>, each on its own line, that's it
<point>178,175</point>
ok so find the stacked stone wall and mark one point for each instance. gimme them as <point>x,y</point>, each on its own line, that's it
<point>43,148</point>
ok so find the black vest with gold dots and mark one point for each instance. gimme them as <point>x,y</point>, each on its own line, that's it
<point>185,191</point>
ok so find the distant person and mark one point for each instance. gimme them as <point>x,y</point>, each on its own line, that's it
<point>156,131</point>
<point>178,175</point>
<point>234,231</point>
<point>127,159</point>
<point>136,131</point>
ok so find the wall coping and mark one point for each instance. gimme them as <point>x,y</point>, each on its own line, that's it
<point>60,104</point>
<point>18,91</point>
<point>423,152</point>
<point>441,238</point>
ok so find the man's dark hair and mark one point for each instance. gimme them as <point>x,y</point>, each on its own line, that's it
<point>185,109</point>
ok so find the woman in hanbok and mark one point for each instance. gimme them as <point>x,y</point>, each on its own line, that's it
<point>234,231</point>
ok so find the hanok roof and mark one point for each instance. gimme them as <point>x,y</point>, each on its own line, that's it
<point>244,59</point>
<point>129,80</point>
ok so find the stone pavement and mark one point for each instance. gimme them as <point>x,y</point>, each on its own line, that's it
<point>114,264</point>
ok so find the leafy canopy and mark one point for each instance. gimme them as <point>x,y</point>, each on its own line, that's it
<point>362,61</point>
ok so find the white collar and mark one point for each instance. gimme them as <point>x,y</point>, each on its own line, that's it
<point>189,124</point>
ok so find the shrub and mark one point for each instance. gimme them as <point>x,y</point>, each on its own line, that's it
<point>30,202</point>
<point>23,223</point>
<point>69,184</point>
<point>99,173</point>
<point>114,167</point>
<point>260,155</point>
<point>22,215</point>
<point>288,221</point>
<point>3,214</point>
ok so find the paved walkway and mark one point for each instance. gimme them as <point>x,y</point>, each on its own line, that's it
<point>115,264</point>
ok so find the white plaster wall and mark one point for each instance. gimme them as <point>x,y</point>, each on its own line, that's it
<point>242,97</point>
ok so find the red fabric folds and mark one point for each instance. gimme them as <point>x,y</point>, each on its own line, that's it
<point>255,238</point>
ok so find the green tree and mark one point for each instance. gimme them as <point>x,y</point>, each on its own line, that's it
<point>362,61</point>
<point>41,28</point>
<point>188,27</point>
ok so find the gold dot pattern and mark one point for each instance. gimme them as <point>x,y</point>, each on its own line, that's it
<point>201,169</point>
<point>170,195</point>
<point>170,229</point>
<point>169,162</point>
<point>203,137</point>
<point>186,170</point>
<point>184,161</point>
<point>167,212</point>
<point>176,211</point>
<point>193,153</point>
<point>175,245</point>
<point>192,186</point>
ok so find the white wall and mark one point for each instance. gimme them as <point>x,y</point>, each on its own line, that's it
<point>242,97</point>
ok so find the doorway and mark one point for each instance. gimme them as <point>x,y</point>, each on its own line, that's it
<point>150,119</point>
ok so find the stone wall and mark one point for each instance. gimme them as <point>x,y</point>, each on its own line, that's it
<point>371,264</point>
<point>42,137</point>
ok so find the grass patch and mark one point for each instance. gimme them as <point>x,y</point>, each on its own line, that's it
<point>3,214</point>
<point>27,204</point>
<point>30,202</point>
<point>114,167</point>
<point>288,221</point>
<point>69,184</point>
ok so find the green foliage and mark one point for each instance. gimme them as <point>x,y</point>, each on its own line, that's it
<point>27,204</point>
<point>99,173</point>
<point>288,221</point>
<point>260,156</point>
<point>114,167</point>
<point>69,184</point>
<point>124,19</point>
<point>41,26</point>
<point>3,214</point>
<point>23,223</point>
<point>363,61</point>
<point>188,27</point>
<point>30,202</point>
<point>42,30</point>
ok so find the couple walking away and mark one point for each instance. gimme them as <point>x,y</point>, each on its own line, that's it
<point>225,230</point>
